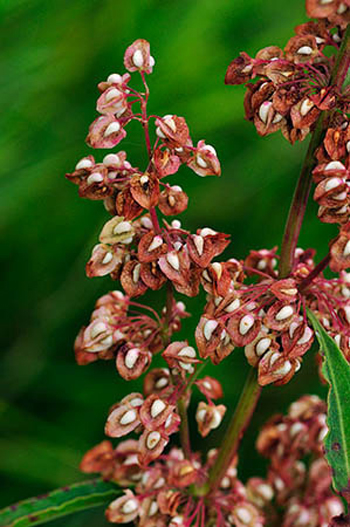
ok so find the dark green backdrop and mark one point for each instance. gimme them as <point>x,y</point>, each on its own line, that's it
<point>53,53</point>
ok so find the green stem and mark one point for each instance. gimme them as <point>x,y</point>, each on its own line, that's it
<point>302,190</point>
<point>239,422</point>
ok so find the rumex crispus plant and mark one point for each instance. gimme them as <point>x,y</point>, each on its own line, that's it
<point>272,304</point>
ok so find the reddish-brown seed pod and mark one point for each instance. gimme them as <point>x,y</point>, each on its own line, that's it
<point>138,57</point>
<point>275,367</point>
<point>205,161</point>
<point>181,356</point>
<point>280,316</point>
<point>205,245</point>
<point>173,130</point>
<point>151,445</point>
<point>151,246</point>
<point>124,509</point>
<point>105,132</point>
<point>210,388</point>
<point>209,417</point>
<point>100,458</point>
<point>155,411</point>
<point>132,362</point>
<point>144,189</point>
<point>131,279</point>
<point>104,260</point>
<point>123,419</point>
<point>173,200</point>
<point>157,381</point>
<point>165,162</point>
<point>240,70</point>
<point>152,276</point>
<point>243,327</point>
<point>340,250</point>
<point>127,206</point>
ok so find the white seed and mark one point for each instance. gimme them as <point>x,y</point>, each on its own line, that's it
<point>264,110</point>
<point>348,146</point>
<point>335,165</point>
<point>346,250</point>
<point>131,358</point>
<point>225,483</point>
<point>215,420</point>
<point>305,107</point>
<point>126,241</point>
<point>209,328</point>
<point>332,183</point>
<point>217,268</point>
<point>97,329</point>
<point>199,243</point>
<point>176,224</point>
<point>186,366</point>
<point>262,264</point>
<point>136,401</point>
<point>152,440</point>
<point>207,231</point>
<point>157,408</point>
<point>152,61</point>
<point>206,276</point>
<point>342,196</point>
<point>169,121</point>
<point>201,162</point>
<point>210,148</point>
<point>178,245</point>
<point>232,306</point>
<point>114,78</point>
<point>187,351</point>
<point>156,242</point>
<point>107,341</point>
<point>274,357</point>
<point>131,460</point>
<point>347,313</point>
<point>161,383</point>
<point>201,414</point>
<point>262,346</point>
<point>305,50</point>
<point>107,258</point>
<point>122,227</point>
<point>129,506</point>
<point>159,133</point>
<point>144,179</point>
<point>341,9</point>
<point>146,222</point>
<point>306,336</point>
<point>136,273</point>
<point>277,119</point>
<point>94,178</point>
<point>176,188</point>
<point>245,324</point>
<point>283,370</point>
<point>137,58</point>
<point>243,515</point>
<point>112,94</point>
<point>153,509</point>
<point>324,2</point>
<point>322,434</point>
<point>111,159</point>
<point>173,260</point>
<point>285,312</point>
<point>342,210</point>
<point>84,163</point>
<point>295,429</point>
<point>128,417</point>
<point>265,491</point>
<point>112,128</point>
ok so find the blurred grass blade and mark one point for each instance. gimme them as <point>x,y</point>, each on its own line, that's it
<point>57,503</point>
<point>337,442</point>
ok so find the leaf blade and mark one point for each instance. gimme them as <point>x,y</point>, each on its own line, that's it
<point>336,371</point>
<point>58,503</point>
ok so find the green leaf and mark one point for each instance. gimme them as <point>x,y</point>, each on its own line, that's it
<point>57,503</point>
<point>337,442</point>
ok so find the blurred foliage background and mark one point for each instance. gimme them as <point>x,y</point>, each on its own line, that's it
<point>53,54</point>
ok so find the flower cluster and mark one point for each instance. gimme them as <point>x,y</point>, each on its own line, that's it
<point>292,86</point>
<point>163,494</point>
<point>267,317</point>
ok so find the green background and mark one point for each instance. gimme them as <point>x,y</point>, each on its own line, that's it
<point>53,54</point>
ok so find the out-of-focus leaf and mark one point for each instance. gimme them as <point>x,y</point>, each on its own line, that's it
<point>60,502</point>
<point>337,442</point>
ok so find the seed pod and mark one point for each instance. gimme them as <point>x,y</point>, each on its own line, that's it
<point>132,362</point>
<point>209,417</point>
<point>277,368</point>
<point>205,245</point>
<point>100,458</point>
<point>124,509</point>
<point>301,49</point>
<point>165,163</point>
<point>151,247</point>
<point>155,411</point>
<point>104,260</point>
<point>207,336</point>
<point>114,99</point>
<point>263,343</point>
<point>180,355</point>
<point>210,387</point>
<point>240,70</point>
<point>138,57</point>
<point>144,189</point>
<point>123,418</point>
<point>173,200</point>
<point>205,161</point>
<point>127,206</point>
<point>105,132</point>
<point>173,130</point>
<point>131,279</point>
<point>340,250</point>
<point>243,327</point>
<point>279,316</point>
<point>152,276</point>
<point>151,445</point>
<point>157,381</point>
